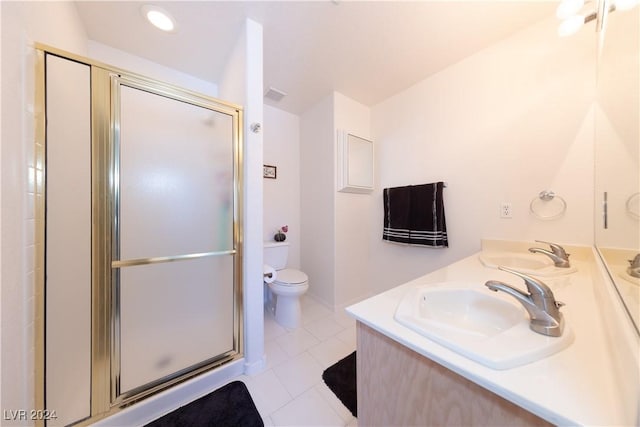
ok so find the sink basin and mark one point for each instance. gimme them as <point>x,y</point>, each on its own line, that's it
<point>467,310</point>
<point>476,324</point>
<point>534,264</point>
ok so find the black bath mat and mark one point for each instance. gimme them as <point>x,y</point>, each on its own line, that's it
<point>229,406</point>
<point>341,379</point>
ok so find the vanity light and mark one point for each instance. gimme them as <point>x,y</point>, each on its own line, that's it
<point>159,18</point>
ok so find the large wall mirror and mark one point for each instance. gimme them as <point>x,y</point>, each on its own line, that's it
<point>617,154</point>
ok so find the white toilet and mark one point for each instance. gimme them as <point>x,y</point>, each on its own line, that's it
<point>288,286</point>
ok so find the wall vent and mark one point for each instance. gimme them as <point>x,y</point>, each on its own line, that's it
<point>274,94</point>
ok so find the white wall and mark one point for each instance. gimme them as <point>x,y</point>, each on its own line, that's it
<point>335,244</point>
<point>242,84</point>
<point>282,195</point>
<point>353,219</point>
<point>23,23</point>
<point>502,125</point>
<point>144,67</point>
<point>317,201</point>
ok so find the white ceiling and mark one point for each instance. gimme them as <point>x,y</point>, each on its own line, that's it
<point>367,51</point>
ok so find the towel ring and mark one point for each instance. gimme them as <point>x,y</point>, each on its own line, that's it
<point>538,204</point>
<point>635,197</point>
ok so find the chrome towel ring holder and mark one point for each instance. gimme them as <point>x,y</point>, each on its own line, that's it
<point>543,207</point>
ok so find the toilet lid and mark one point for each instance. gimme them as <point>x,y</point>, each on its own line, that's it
<point>290,277</point>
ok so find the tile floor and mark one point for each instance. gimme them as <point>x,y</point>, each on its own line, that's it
<point>290,391</point>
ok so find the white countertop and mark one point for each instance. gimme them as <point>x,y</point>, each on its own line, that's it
<point>576,386</point>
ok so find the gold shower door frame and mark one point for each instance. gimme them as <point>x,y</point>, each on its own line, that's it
<point>106,83</point>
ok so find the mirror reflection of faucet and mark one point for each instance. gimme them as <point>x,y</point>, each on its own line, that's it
<point>559,256</point>
<point>539,301</point>
<point>634,267</point>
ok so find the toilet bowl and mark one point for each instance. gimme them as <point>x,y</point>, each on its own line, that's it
<point>289,285</point>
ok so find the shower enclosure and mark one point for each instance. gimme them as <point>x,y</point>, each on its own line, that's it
<point>139,244</point>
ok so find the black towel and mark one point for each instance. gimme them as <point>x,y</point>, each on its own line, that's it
<point>415,215</point>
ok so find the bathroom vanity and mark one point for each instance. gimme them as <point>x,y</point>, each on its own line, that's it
<point>406,378</point>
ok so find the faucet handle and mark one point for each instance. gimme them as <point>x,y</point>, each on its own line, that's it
<point>556,249</point>
<point>634,267</point>
<point>534,286</point>
<point>540,303</point>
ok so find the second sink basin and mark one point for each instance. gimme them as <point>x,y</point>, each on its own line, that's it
<point>535,264</point>
<point>476,324</point>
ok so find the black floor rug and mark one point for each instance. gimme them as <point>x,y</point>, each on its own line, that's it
<point>341,379</point>
<point>229,406</point>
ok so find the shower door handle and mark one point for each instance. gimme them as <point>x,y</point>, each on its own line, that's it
<point>162,259</point>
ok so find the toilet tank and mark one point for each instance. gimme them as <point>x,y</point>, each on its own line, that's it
<point>275,254</point>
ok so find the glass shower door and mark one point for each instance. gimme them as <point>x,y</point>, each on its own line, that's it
<point>174,233</point>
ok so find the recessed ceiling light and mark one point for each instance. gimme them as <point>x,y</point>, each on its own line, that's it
<point>159,18</point>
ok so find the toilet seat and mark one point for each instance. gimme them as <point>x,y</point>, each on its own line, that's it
<point>290,277</point>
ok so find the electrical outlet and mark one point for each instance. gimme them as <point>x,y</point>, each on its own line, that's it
<point>505,210</point>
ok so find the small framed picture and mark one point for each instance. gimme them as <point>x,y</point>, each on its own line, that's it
<point>269,171</point>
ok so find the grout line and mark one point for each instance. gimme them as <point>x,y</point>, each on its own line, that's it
<point>318,316</point>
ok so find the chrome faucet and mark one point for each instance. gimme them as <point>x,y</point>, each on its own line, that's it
<point>557,254</point>
<point>539,302</point>
<point>634,267</point>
